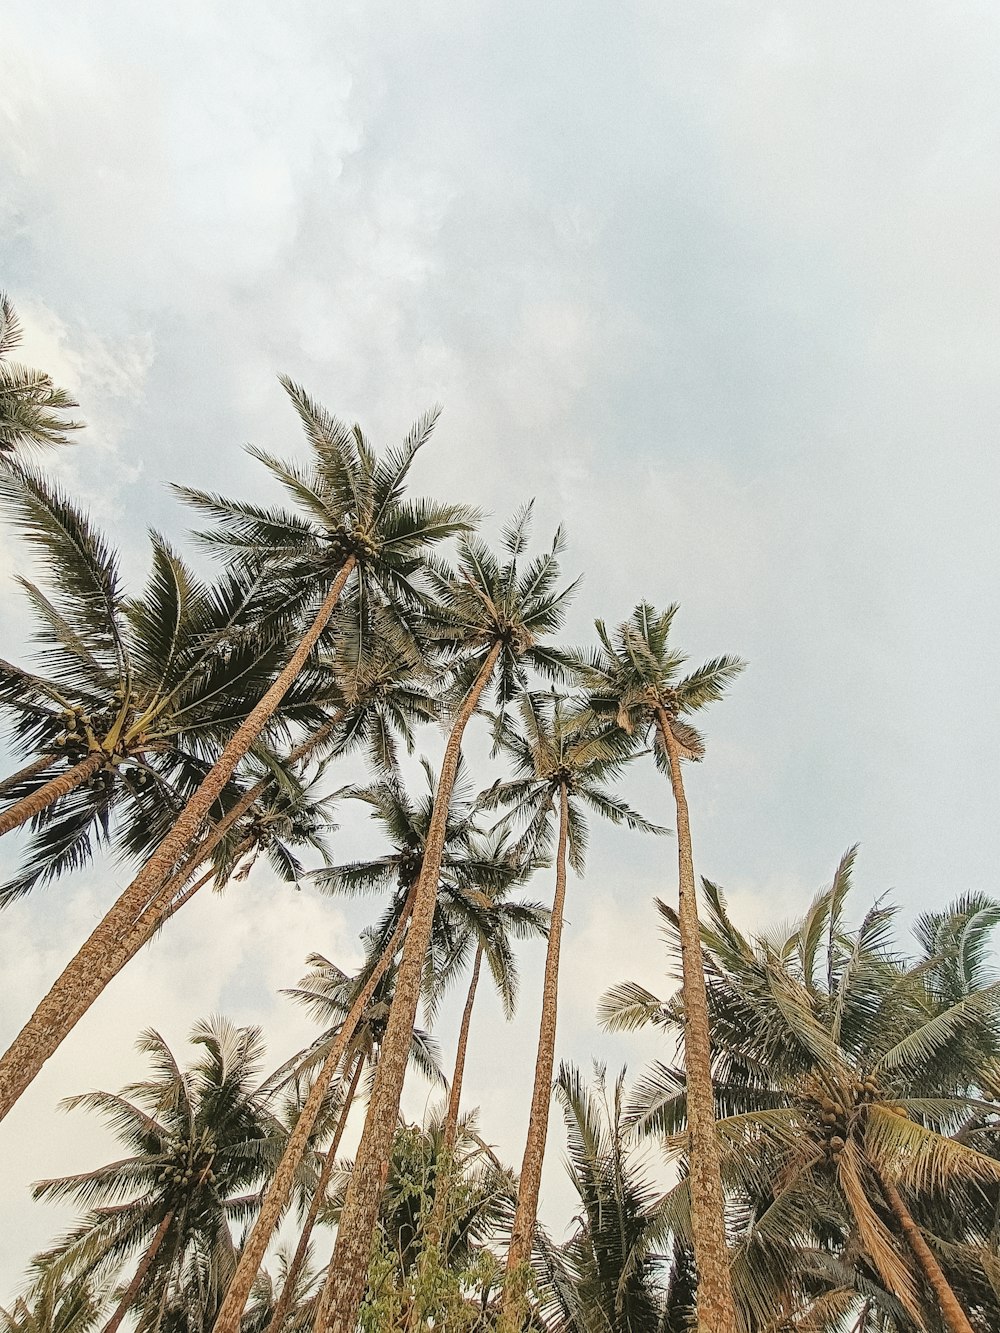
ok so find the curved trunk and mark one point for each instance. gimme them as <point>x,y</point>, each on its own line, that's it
<point>715,1306</point>
<point>280,1188</point>
<point>86,975</point>
<point>50,792</point>
<point>337,1308</point>
<point>28,771</point>
<point>513,1309</point>
<point>329,1162</point>
<point>951,1312</point>
<point>140,1273</point>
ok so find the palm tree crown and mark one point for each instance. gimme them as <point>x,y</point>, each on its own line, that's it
<point>32,409</point>
<point>199,1144</point>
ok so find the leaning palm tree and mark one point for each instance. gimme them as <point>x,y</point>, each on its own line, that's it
<point>847,1094</point>
<point>562,763</point>
<point>199,1143</point>
<point>355,524</point>
<point>494,615</point>
<point>32,409</point>
<point>634,678</point>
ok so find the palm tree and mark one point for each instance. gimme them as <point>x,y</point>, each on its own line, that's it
<point>356,523</point>
<point>32,409</point>
<point>56,1304</point>
<point>197,1141</point>
<point>608,1277</point>
<point>842,1081</point>
<point>561,762</point>
<point>494,614</point>
<point>634,678</point>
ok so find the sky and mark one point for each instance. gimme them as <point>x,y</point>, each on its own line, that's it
<point>716,284</point>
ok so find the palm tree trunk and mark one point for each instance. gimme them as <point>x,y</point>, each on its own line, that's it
<point>951,1312</point>
<point>434,1231</point>
<point>337,1308</point>
<point>53,790</point>
<point>280,1188</point>
<point>140,1273</point>
<point>455,1094</point>
<point>513,1308</point>
<point>38,765</point>
<point>715,1306</point>
<point>86,975</point>
<point>319,1194</point>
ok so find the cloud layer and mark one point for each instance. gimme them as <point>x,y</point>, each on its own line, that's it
<point>716,285</point>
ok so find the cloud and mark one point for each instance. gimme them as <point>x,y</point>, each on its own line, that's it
<point>711,284</point>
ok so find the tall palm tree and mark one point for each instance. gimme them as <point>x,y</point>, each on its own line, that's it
<point>32,408</point>
<point>844,1085</point>
<point>494,614</point>
<point>634,678</point>
<point>199,1143</point>
<point>561,763</point>
<point>609,1276</point>
<point>356,524</point>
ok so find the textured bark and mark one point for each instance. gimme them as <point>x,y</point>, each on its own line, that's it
<point>337,1308</point>
<point>38,765</point>
<point>715,1306</point>
<point>132,1289</point>
<point>280,1188</point>
<point>514,1307</point>
<point>50,792</point>
<point>319,1194</point>
<point>951,1312</point>
<point>86,975</point>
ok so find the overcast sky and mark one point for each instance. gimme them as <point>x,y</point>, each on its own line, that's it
<point>718,284</point>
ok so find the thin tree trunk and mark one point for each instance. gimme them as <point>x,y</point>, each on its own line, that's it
<point>513,1308</point>
<point>455,1094</point>
<point>319,1194</point>
<point>38,765</point>
<point>86,975</point>
<point>337,1308</point>
<point>53,790</point>
<point>951,1312</point>
<point>715,1306</point>
<point>140,1273</point>
<point>444,1171</point>
<point>280,1188</point>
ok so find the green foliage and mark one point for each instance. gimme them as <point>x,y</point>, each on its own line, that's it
<point>32,409</point>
